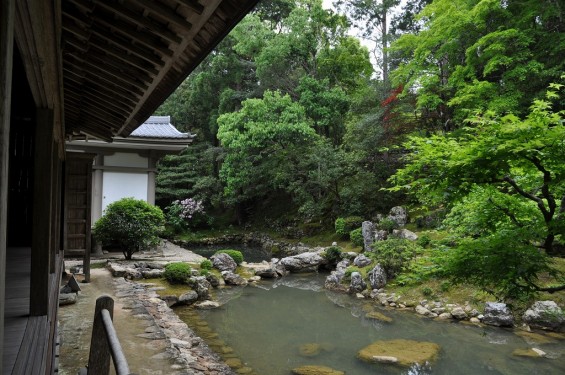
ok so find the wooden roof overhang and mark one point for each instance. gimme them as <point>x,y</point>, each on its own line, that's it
<point>122,59</point>
<point>115,60</point>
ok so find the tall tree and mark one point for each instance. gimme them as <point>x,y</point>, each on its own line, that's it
<point>470,54</point>
<point>371,16</point>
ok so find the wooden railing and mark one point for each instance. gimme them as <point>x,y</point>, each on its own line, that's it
<point>105,343</point>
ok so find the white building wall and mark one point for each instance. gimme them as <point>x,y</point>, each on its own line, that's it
<point>118,185</point>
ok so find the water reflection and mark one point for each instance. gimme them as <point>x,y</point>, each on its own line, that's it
<point>267,325</point>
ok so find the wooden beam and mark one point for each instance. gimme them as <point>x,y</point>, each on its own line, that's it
<point>7,16</point>
<point>42,215</point>
<point>166,13</point>
<point>140,36</point>
<point>140,20</point>
<point>193,5</point>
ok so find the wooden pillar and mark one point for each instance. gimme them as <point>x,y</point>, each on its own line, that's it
<point>42,213</point>
<point>7,13</point>
<point>97,177</point>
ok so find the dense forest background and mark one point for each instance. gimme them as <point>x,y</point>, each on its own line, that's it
<point>296,121</point>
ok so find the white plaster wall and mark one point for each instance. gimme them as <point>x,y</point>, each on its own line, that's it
<point>126,159</point>
<point>118,185</point>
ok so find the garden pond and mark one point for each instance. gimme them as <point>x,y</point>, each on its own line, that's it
<point>266,325</point>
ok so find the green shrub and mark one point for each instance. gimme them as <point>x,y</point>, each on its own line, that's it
<point>424,240</point>
<point>394,254</point>
<point>356,236</point>
<point>427,291</point>
<point>344,225</point>
<point>131,224</point>
<point>177,273</point>
<point>348,271</point>
<point>206,264</point>
<point>388,224</point>
<point>236,255</point>
<point>333,254</point>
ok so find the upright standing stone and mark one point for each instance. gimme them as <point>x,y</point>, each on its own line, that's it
<point>368,229</point>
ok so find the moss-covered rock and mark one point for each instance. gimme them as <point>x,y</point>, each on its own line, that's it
<point>378,316</point>
<point>313,349</point>
<point>535,338</point>
<point>531,353</point>
<point>401,352</point>
<point>316,370</point>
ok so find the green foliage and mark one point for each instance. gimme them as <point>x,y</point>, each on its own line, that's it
<point>348,271</point>
<point>423,240</point>
<point>501,264</point>
<point>333,254</point>
<point>427,291</point>
<point>387,224</point>
<point>177,273</point>
<point>206,264</point>
<point>356,236</point>
<point>131,224</point>
<point>344,225</point>
<point>394,254</point>
<point>236,255</point>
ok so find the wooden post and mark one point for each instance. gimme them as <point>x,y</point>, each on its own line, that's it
<point>42,213</point>
<point>7,13</point>
<point>99,357</point>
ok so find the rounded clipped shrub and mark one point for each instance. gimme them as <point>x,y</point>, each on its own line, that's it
<point>333,254</point>
<point>395,254</point>
<point>177,273</point>
<point>388,224</point>
<point>344,225</point>
<point>131,224</point>
<point>206,264</point>
<point>236,255</point>
<point>356,236</point>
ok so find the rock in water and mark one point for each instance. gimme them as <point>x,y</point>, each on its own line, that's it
<point>357,283</point>
<point>316,370</point>
<point>498,314</point>
<point>544,315</point>
<point>377,277</point>
<point>401,352</point>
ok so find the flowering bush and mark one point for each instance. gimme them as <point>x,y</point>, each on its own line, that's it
<point>184,214</point>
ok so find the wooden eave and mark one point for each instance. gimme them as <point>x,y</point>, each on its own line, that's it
<point>122,58</point>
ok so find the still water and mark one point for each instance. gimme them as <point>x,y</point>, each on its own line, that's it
<point>267,324</point>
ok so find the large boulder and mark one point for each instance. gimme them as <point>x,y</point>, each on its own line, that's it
<point>544,315</point>
<point>399,215</point>
<point>333,280</point>
<point>187,298</point>
<point>305,262</point>
<point>401,352</point>
<point>368,230</point>
<point>201,286</point>
<point>357,284</point>
<point>377,277</point>
<point>498,314</point>
<point>361,261</point>
<point>405,234</point>
<point>233,279</point>
<point>223,262</point>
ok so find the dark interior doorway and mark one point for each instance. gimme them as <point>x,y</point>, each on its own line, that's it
<point>22,147</point>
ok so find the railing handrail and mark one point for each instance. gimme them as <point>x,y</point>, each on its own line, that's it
<point>104,342</point>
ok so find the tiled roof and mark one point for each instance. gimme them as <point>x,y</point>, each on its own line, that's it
<point>158,127</point>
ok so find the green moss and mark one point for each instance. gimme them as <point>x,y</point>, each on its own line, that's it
<point>406,352</point>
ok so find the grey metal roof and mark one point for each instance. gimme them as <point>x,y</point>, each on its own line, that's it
<point>159,127</point>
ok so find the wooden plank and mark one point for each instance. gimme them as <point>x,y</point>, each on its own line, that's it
<point>99,356</point>
<point>42,204</point>
<point>166,13</point>
<point>7,15</point>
